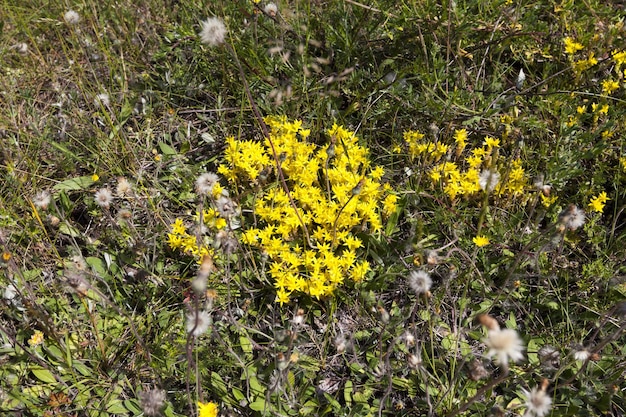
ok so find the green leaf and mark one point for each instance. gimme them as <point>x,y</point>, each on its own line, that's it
<point>245,344</point>
<point>167,149</point>
<point>347,392</point>
<point>68,229</point>
<point>218,383</point>
<point>117,407</point>
<point>255,386</point>
<point>74,184</point>
<point>238,394</point>
<point>258,404</point>
<point>98,265</point>
<point>80,367</point>
<point>44,375</point>
<point>132,406</point>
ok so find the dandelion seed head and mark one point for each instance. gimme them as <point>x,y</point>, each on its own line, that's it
<point>124,188</point>
<point>104,198</point>
<point>409,339</point>
<point>477,370</point>
<point>549,357</point>
<point>102,99</point>
<point>10,292</point>
<point>226,207</point>
<point>420,281</point>
<point>341,343</point>
<point>505,345</point>
<point>152,401</point>
<point>414,360</point>
<point>71,17</point>
<point>42,200</point>
<point>488,180</point>
<point>572,217</point>
<point>538,403</point>
<point>22,48</point>
<point>213,31</point>
<point>206,182</point>
<point>199,323</point>
<point>582,355</point>
<point>271,9</point>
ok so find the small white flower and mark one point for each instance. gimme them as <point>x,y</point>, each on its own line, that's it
<point>104,198</point>
<point>71,17</point>
<point>206,182</point>
<point>42,200</point>
<point>102,99</point>
<point>538,403</point>
<point>213,31</point>
<point>420,281</point>
<point>505,345</point>
<point>271,9</point>
<point>488,180</point>
<point>199,323</point>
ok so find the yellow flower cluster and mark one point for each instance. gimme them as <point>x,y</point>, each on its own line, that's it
<point>598,202</point>
<point>456,181</point>
<point>307,223</point>
<point>36,339</point>
<point>180,239</point>
<point>571,46</point>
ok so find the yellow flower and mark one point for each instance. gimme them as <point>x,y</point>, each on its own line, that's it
<point>608,86</point>
<point>36,339</point>
<point>207,409</point>
<point>597,203</point>
<point>547,201</point>
<point>571,46</point>
<point>174,241</point>
<point>492,142</point>
<point>178,227</point>
<point>95,177</point>
<point>282,296</point>
<point>460,137</point>
<point>481,241</point>
<point>619,57</point>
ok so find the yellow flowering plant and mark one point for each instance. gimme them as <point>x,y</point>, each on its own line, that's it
<point>312,203</point>
<point>460,175</point>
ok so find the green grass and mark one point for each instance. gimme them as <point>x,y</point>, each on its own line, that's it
<point>111,295</point>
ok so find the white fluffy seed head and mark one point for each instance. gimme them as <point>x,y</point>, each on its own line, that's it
<point>213,31</point>
<point>420,281</point>
<point>104,198</point>
<point>42,200</point>
<point>206,182</point>
<point>199,323</point>
<point>71,17</point>
<point>505,345</point>
<point>271,9</point>
<point>538,402</point>
<point>488,180</point>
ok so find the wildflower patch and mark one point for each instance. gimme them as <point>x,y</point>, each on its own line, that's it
<point>313,202</point>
